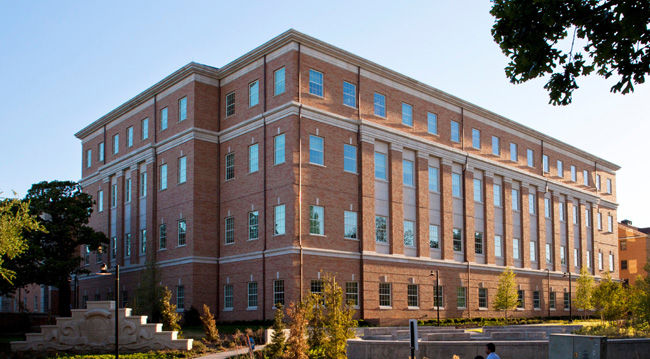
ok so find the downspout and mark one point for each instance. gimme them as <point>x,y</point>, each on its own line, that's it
<point>218,310</point>
<point>465,199</point>
<point>300,173</point>
<point>104,156</point>
<point>265,208</point>
<point>154,194</point>
<point>360,195</point>
<point>462,128</point>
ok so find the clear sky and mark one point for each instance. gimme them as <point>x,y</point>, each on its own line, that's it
<point>64,64</point>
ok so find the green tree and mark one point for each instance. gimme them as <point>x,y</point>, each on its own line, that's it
<point>168,315</point>
<point>52,256</point>
<point>297,345</point>
<point>339,322</point>
<point>149,293</point>
<point>610,299</point>
<point>640,301</point>
<point>533,34</point>
<point>507,297</point>
<point>584,291</point>
<point>210,327</point>
<point>15,219</point>
<point>275,349</point>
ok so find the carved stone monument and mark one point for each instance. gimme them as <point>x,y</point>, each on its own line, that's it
<point>92,330</point>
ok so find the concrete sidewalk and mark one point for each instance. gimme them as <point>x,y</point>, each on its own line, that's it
<point>230,353</point>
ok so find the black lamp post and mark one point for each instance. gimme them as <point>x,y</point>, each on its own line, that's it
<point>104,271</point>
<point>570,307</point>
<point>436,293</point>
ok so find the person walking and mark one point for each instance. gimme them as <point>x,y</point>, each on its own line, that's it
<point>490,351</point>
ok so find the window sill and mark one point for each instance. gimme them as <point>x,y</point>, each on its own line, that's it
<point>279,235</point>
<point>413,308</point>
<point>350,172</point>
<point>520,309</point>
<point>227,309</point>
<point>318,235</point>
<point>432,191</point>
<point>552,309</point>
<point>181,245</point>
<point>436,308</point>
<point>228,244</point>
<point>462,308</point>
<point>409,186</point>
<point>251,308</point>
<point>180,310</point>
<point>180,183</point>
<point>346,105</point>
<point>381,180</point>
<point>351,239</point>
<point>381,307</point>
<point>250,173</point>
<point>251,239</point>
<point>162,249</point>
<point>482,309</point>
<point>317,164</point>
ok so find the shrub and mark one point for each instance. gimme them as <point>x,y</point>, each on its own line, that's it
<point>210,327</point>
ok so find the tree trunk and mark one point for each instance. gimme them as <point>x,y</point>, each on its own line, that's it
<point>64,299</point>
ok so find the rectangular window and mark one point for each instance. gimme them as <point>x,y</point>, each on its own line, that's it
<point>316,286</point>
<point>253,158</point>
<point>127,245</point>
<point>89,158</point>
<point>623,264</point>
<point>600,221</point>
<point>611,262</point>
<point>532,201</point>
<point>278,81</point>
<point>116,144</point>
<point>412,295</point>
<point>100,201</point>
<point>432,123</point>
<point>253,93</point>
<point>182,109</point>
<point>458,240</point>
<point>455,131</point>
<point>409,233</point>
<point>349,158</point>
<point>575,214</point>
<point>585,178</point>
<point>380,166</point>
<point>434,236</point>
<point>562,255</point>
<point>380,229</point>
<point>350,224</point>
<point>86,254</point>
<point>433,179</point>
<point>520,299</point>
<point>113,196</point>
<point>476,138</point>
<point>496,148</point>
<point>230,104</point>
<point>478,190</point>
<point>349,94</point>
<point>163,177</point>
<point>279,217</point>
<point>182,170</point>
<point>547,207</point>
<point>143,241</point>
<point>587,218</point>
<point>230,166</point>
<point>610,224</point>
<point>316,149</point>
<point>515,200</point>
<point>566,301</point>
<point>623,245</point>
<point>252,295</point>
<point>162,236</point>
<point>482,298</point>
<point>101,152</point>
<point>316,220</point>
<point>278,292</point>
<point>478,243</point>
<point>315,83</point>
<point>407,114</point>
<point>536,300</point>
<point>143,184</point>
<point>180,297</point>
<point>576,257</point>
<point>516,250</point>
<point>408,169</point>
<point>380,105</point>
<point>352,293</point>
<point>549,253</point>
<point>461,297</point>
<point>598,183</point>
<point>163,119</point>
<point>456,185</point>
<point>545,163</point>
<point>600,260</point>
<point>253,229</point>
<point>560,169</point>
<point>278,149</point>
<point>230,230</point>
<point>384,295</point>
<point>609,186</point>
<point>497,194</point>
<point>551,300</point>
<point>129,136</point>
<point>533,251</point>
<point>530,158</point>
<point>574,174</point>
<point>438,297</point>
<point>127,190</point>
<point>228,297</point>
<point>498,248</point>
<point>145,128</point>
<point>514,156</point>
<point>182,232</point>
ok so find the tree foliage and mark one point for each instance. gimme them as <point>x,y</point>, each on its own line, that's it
<point>210,327</point>
<point>584,291</point>
<point>275,349</point>
<point>297,345</point>
<point>610,299</point>
<point>532,34</point>
<point>507,297</point>
<point>149,293</point>
<point>170,319</point>
<point>52,256</point>
<point>640,301</point>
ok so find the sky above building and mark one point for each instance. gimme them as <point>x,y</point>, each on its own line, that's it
<point>64,64</point>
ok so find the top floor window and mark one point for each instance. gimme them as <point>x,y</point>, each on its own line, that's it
<point>609,186</point>
<point>530,157</point>
<point>380,105</point>
<point>89,158</point>
<point>432,123</point>
<point>230,104</point>
<point>560,169</point>
<point>182,109</point>
<point>101,152</point>
<point>278,81</point>
<point>349,94</point>
<point>163,119</point>
<point>129,136</point>
<point>496,148</point>
<point>574,174</point>
<point>116,144</point>
<point>253,93</point>
<point>315,83</point>
<point>407,114</point>
<point>145,128</point>
<point>585,177</point>
<point>514,156</point>
<point>316,148</point>
<point>455,131</point>
<point>545,163</point>
<point>598,182</point>
<point>476,138</point>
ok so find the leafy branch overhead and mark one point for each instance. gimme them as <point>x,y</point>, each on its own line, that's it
<point>617,39</point>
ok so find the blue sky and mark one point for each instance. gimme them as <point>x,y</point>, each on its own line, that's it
<point>64,64</point>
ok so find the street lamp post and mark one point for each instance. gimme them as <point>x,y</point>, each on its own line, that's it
<point>104,271</point>
<point>570,304</point>
<point>548,304</point>
<point>436,294</point>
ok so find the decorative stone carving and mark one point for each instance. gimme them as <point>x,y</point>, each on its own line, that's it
<point>92,330</point>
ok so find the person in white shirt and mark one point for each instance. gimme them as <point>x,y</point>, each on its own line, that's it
<point>490,351</point>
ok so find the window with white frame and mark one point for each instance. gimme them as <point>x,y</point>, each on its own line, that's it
<point>316,220</point>
<point>551,300</point>
<point>129,136</point>
<point>546,163</point>
<point>536,300</point>
<point>515,199</point>
<point>412,295</point>
<point>230,229</point>
<point>381,235</point>
<point>89,158</point>
<point>100,250</point>
<point>253,93</point>
<point>498,246</point>
<point>116,144</point>
<point>163,119</point>
<point>433,179</point>
<point>278,81</point>
<point>566,301</point>
<point>482,298</point>
<point>315,83</point>
<point>143,241</point>
<point>574,209</point>
<point>350,224</point>
<point>497,194</point>
<point>408,170</point>
<point>461,297</point>
<point>434,236</point>
<point>384,295</point>
<point>409,233</point>
<point>350,158</point>
<point>163,177</point>
<point>182,109</point>
<point>600,260</point>
<point>143,184</point>
<point>253,158</point>
<point>600,221</point>
<point>380,105</point>
<point>316,149</point>
<point>531,203</point>
<point>514,156</point>
<point>278,149</point>
<point>316,286</point>
<point>432,123</point>
<point>182,169</point>
<point>278,292</point>
<point>610,224</point>
<point>230,166</point>
<point>574,174</point>
<point>145,129</point>
<point>253,229</point>
<point>611,262</point>
<point>530,158</point>
<point>230,104</point>
<point>228,297</point>
<point>585,177</point>
<point>182,232</point>
<point>162,236</point>
<point>455,131</point>
<point>349,94</point>
<point>516,248</point>
<point>352,293</point>
<point>127,245</point>
<point>547,208</point>
<point>380,166</point>
<point>101,152</point>
<point>609,186</point>
<point>252,295</point>
<point>279,217</point>
<point>576,257</point>
<point>456,185</point>
<point>549,253</point>
<point>598,183</point>
<point>587,218</point>
<point>478,242</point>
<point>520,299</point>
<point>560,169</point>
<point>476,138</point>
<point>407,114</point>
<point>496,147</point>
<point>478,190</point>
<point>114,196</point>
<point>458,239</point>
<point>533,251</point>
<point>180,297</point>
<point>100,201</point>
<point>561,207</point>
<point>562,255</point>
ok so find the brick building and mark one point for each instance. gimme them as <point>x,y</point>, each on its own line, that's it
<point>246,183</point>
<point>634,249</point>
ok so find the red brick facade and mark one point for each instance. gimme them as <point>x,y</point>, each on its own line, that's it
<point>234,255</point>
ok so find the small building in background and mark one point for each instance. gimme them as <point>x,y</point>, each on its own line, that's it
<point>633,244</point>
